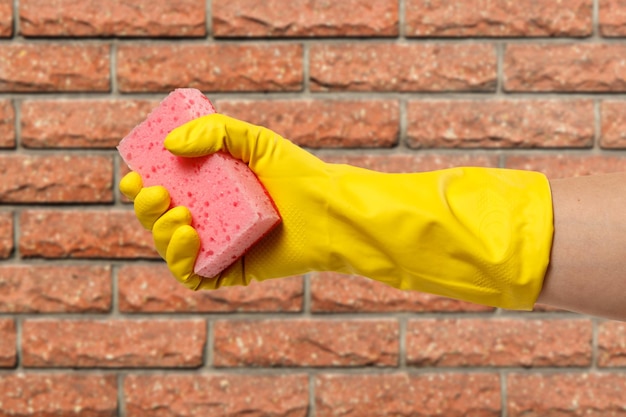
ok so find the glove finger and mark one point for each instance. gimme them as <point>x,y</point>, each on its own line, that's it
<point>131,184</point>
<point>150,204</point>
<point>217,132</point>
<point>181,256</point>
<point>166,225</point>
<point>258,147</point>
<point>199,137</point>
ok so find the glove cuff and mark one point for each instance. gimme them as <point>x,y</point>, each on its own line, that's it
<point>477,234</point>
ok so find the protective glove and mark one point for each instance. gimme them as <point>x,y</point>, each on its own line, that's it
<point>477,234</point>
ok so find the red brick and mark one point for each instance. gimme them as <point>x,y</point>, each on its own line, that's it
<point>54,67</point>
<point>8,346</point>
<point>7,124</point>
<point>566,395</point>
<point>612,119</point>
<point>112,18</point>
<point>564,165</point>
<point>332,292</point>
<point>306,343</point>
<point>55,289</point>
<point>611,344</point>
<point>412,163</point>
<point>80,123</point>
<point>323,123</point>
<point>499,342</point>
<point>46,395</point>
<point>6,234</point>
<point>403,67</point>
<point>612,17</point>
<point>500,123</point>
<point>113,343</point>
<point>571,67</point>
<point>56,178</point>
<point>257,18</point>
<point>216,395</point>
<point>83,234</point>
<point>370,395</point>
<point>6,18</point>
<point>152,289</point>
<point>223,67</point>
<point>499,18</point>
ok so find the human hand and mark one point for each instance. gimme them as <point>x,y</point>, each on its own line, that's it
<point>295,179</point>
<point>477,234</point>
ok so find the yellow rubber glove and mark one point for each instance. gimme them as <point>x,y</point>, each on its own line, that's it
<point>477,234</point>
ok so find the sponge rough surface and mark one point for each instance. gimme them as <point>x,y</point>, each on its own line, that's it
<point>230,209</point>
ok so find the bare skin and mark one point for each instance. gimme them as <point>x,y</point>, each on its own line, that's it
<point>587,272</point>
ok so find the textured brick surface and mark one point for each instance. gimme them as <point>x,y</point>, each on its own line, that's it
<point>613,117</point>
<point>499,18</point>
<point>216,395</point>
<point>154,289</point>
<point>113,17</point>
<point>500,123</point>
<point>332,292</point>
<point>6,18</point>
<point>403,67</point>
<point>7,124</point>
<point>306,343</point>
<point>113,343</point>
<point>8,347</point>
<point>83,234</point>
<point>80,123</point>
<point>322,123</point>
<point>303,18</point>
<point>576,67</point>
<point>572,394</point>
<point>565,166</point>
<point>55,289</point>
<point>226,67</point>
<point>51,179</point>
<point>6,234</point>
<point>612,16</point>
<point>449,394</point>
<point>72,395</point>
<point>393,86</point>
<point>477,342</point>
<point>612,344</point>
<point>54,67</point>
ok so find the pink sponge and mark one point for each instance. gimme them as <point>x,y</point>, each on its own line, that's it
<point>230,209</point>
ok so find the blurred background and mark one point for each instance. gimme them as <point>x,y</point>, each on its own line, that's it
<point>92,324</point>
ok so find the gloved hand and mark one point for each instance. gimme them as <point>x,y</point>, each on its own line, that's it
<point>477,234</point>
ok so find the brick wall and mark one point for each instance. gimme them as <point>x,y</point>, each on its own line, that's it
<point>91,324</point>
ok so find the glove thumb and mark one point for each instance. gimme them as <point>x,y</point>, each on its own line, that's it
<point>256,146</point>
<point>216,132</point>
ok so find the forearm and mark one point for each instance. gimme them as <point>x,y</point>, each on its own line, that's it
<point>587,272</point>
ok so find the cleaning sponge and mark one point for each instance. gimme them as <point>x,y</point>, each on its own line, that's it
<point>230,209</point>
